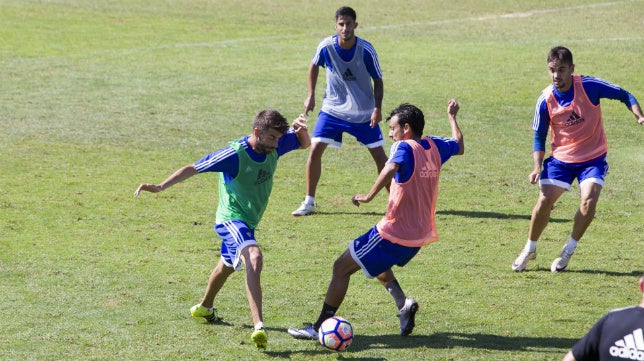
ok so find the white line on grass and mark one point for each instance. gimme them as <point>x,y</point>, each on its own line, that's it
<point>523,14</point>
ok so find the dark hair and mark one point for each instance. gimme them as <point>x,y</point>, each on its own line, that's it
<point>346,11</point>
<point>269,118</point>
<point>409,114</point>
<point>560,53</point>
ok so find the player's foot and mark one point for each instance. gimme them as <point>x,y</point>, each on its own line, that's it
<point>307,332</point>
<point>260,337</point>
<point>304,210</point>
<point>560,263</point>
<point>198,311</point>
<point>407,316</point>
<point>521,261</point>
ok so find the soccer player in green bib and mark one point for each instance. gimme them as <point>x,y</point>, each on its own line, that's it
<point>246,169</point>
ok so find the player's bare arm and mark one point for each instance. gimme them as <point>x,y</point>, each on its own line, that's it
<point>637,111</point>
<point>176,177</point>
<point>378,94</point>
<point>384,178</point>
<point>309,102</point>
<point>537,160</point>
<point>452,109</point>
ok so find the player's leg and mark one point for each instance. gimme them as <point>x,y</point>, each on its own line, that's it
<point>407,307</point>
<point>253,262</point>
<point>555,179</point>
<point>216,281</point>
<point>371,138</point>
<point>379,156</point>
<point>591,177</point>
<point>343,268</point>
<point>205,309</point>
<point>327,131</point>
<point>314,167</point>
<point>540,217</point>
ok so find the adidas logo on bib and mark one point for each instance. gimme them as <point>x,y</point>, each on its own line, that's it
<point>631,347</point>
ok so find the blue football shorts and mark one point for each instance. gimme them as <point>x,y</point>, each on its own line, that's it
<point>329,129</point>
<point>561,174</point>
<point>375,254</point>
<point>235,236</point>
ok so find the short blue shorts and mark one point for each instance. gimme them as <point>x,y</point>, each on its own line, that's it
<point>375,254</point>
<point>235,236</point>
<point>329,129</point>
<point>561,174</point>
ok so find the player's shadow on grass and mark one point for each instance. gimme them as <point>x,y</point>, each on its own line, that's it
<point>555,345</point>
<point>468,214</point>
<point>464,340</point>
<point>634,274</point>
<point>494,215</point>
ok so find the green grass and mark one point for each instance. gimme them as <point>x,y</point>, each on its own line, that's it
<point>98,97</point>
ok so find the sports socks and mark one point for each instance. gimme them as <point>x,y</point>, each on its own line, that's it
<point>328,311</point>
<point>396,292</point>
<point>530,246</point>
<point>309,200</point>
<point>570,246</point>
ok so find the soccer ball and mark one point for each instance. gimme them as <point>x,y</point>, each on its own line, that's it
<point>335,333</point>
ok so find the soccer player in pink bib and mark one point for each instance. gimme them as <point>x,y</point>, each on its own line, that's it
<point>412,172</point>
<point>570,109</point>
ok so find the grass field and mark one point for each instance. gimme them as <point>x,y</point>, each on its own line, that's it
<point>99,96</point>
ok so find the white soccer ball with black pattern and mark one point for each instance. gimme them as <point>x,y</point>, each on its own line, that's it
<point>335,333</point>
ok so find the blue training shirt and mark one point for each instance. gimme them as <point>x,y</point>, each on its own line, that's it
<point>226,160</point>
<point>402,154</point>
<point>595,90</point>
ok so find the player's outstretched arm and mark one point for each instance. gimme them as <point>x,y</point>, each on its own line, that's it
<point>384,178</point>
<point>452,110</point>
<point>176,177</point>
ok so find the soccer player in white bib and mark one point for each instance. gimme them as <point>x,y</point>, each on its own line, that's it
<point>350,104</point>
<point>246,169</point>
<point>570,109</point>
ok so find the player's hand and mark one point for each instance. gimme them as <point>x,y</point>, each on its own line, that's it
<point>376,117</point>
<point>640,121</point>
<point>534,176</point>
<point>153,188</point>
<point>359,198</point>
<point>299,124</point>
<point>452,107</point>
<point>309,104</point>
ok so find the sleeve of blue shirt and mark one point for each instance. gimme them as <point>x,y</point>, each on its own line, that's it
<point>370,58</point>
<point>288,143</point>
<point>598,88</point>
<point>224,160</point>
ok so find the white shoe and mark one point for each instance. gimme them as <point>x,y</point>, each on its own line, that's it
<point>521,261</point>
<point>305,333</point>
<point>304,210</point>
<point>407,316</point>
<point>560,263</point>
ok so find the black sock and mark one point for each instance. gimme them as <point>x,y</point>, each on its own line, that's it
<point>327,312</point>
<point>396,292</point>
